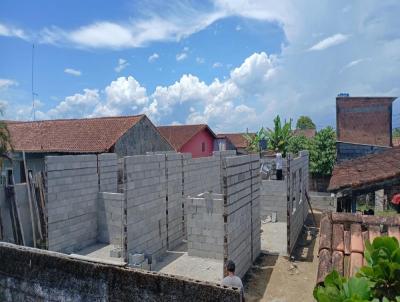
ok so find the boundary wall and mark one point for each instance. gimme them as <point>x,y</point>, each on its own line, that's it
<point>28,274</point>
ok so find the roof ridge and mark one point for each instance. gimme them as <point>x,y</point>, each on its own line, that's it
<point>75,119</point>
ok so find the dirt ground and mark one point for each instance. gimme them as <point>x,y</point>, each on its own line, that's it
<point>281,279</point>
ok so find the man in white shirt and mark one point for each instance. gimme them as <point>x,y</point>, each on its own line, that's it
<point>233,280</point>
<point>279,163</point>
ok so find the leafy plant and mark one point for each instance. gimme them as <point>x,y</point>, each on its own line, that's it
<point>323,152</point>
<point>253,140</point>
<point>378,281</point>
<point>305,122</point>
<point>279,136</point>
<point>298,143</point>
<point>383,266</point>
<point>396,132</point>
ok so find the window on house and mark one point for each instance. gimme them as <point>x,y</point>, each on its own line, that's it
<point>203,147</point>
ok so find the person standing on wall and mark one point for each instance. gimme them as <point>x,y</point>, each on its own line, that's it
<point>279,162</point>
<point>233,280</point>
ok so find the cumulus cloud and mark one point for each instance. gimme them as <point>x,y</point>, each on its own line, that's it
<point>79,104</point>
<point>6,83</point>
<point>153,57</point>
<point>329,42</point>
<point>122,64</point>
<point>73,72</point>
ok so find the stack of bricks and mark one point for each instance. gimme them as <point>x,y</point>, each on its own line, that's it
<point>205,226</point>
<point>108,172</point>
<point>297,185</point>
<point>72,189</point>
<point>241,191</point>
<point>110,218</point>
<point>145,191</point>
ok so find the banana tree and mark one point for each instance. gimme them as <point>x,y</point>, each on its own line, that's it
<point>254,140</point>
<point>279,136</point>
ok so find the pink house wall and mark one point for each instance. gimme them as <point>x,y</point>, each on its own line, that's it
<point>194,145</point>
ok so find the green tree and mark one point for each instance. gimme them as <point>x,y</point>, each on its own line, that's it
<point>323,152</point>
<point>298,143</point>
<point>305,122</point>
<point>253,140</point>
<point>396,132</point>
<point>279,136</point>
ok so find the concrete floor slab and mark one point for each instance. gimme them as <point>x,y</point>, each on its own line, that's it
<point>100,252</point>
<point>179,263</point>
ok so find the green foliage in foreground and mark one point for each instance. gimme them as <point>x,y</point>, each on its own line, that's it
<point>378,281</point>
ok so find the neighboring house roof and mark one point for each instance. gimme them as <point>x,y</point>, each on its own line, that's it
<point>237,139</point>
<point>342,237</point>
<point>179,135</point>
<point>91,135</point>
<point>366,170</point>
<point>309,133</point>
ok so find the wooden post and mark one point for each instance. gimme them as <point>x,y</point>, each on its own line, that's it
<point>29,199</point>
<point>17,210</point>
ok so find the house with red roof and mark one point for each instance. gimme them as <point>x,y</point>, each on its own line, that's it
<point>195,139</point>
<point>123,135</point>
<point>233,141</point>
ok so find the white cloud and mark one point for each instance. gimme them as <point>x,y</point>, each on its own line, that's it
<point>238,28</point>
<point>153,57</point>
<point>122,64</point>
<point>181,56</point>
<point>200,60</point>
<point>217,65</point>
<point>79,104</point>
<point>73,72</point>
<point>10,31</point>
<point>354,63</point>
<point>6,83</point>
<point>124,95</point>
<point>329,42</point>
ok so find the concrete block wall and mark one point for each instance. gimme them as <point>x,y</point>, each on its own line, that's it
<point>145,192</point>
<point>72,193</point>
<point>205,226</point>
<point>241,191</point>
<point>297,184</point>
<point>108,172</point>
<point>110,218</point>
<point>174,198</point>
<point>273,199</point>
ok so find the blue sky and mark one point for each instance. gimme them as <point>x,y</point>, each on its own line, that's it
<point>232,64</point>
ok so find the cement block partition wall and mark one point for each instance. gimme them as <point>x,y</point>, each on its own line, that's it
<point>241,189</point>
<point>145,191</point>
<point>108,172</point>
<point>72,196</point>
<point>28,274</point>
<point>273,199</point>
<point>297,183</point>
<point>205,226</point>
<point>110,218</point>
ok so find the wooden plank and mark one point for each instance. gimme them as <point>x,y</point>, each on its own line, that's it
<point>18,214</point>
<point>35,205</point>
<point>29,199</point>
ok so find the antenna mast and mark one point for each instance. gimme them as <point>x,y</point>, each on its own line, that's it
<point>33,93</point>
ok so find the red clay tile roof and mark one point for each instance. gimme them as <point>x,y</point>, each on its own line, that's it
<point>366,170</point>
<point>92,135</point>
<point>179,135</point>
<point>342,237</point>
<point>309,133</point>
<point>237,139</point>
